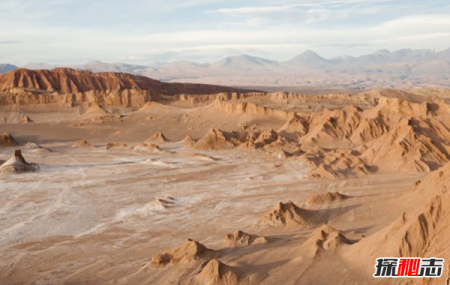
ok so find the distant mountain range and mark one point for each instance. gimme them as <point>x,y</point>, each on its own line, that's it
<point>7,67</point>
<point>399,69</point>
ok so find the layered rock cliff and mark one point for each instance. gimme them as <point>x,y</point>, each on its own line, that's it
<point>65,85</point>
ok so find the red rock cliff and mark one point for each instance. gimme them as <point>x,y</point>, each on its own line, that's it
<point>66,80</point>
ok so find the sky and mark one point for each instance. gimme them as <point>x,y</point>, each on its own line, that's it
<point>148,31</point>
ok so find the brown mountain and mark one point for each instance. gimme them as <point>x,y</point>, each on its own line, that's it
<point>66,80</point>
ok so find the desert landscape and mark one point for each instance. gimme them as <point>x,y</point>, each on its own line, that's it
<point>399,69</point>
<point>113,178</point>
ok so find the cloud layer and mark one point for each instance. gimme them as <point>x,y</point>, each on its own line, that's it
<point>141,31</point>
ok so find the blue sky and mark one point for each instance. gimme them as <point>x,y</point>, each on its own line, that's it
<point>143,31</point>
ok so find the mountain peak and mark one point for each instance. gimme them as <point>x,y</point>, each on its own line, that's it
<point>38,66</point>
<point>404,51</point>
<point>309,58</point>
<point>6,67</point>
<point>244,61</point>
<point>309,52</point>
<point>382,51</point>
<point>95,62</point>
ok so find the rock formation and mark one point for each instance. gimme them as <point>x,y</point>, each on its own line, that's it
<point>94,111</point>
<point>189,251</point>
<point>158,137</point>
<point>289,214</point>
<point>216,273</point>
<point>213,140</point>
<point>17,164</point>
<point>326,240</point>
<point>25,120</point>
<point>111,145</point>
<point>165,203</point>
<point>296,124</point>
<point>347,142</point>
<point>68,85</point>
<point>421,230</point>
<point>34,147</point>
<point>147,147</point>
<point>249,108</point>
<point>6,140</point>
<point>189,140</point>
<point>241,238</point>
<point>82,143</point>
<point>326,198</point>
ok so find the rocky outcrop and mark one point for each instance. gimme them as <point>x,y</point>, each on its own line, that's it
<point>125,98</point>
<point>189,251</point>
<point>421,230</point>
<point>111,145</point>
<point>65,85</point>
<point>325,198</point>
<point>216,273</point>
<point>296,124</point>
<point>214,139</point>
<point>17,164</point>
<point>249,108</point>
<point>241,238</point>
<point>25,120</point>
<point>289,214</point>
<point>35,147</point>
<point>189,140</point>
<point>6,140</point>
<point>81,143</point>
<point>394,136</point>
<point>326,240</point>
<point>148,147</point>
<point>158,137</point>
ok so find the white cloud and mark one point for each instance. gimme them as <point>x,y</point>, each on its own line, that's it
<point>272,31</point>
<point>304,12</point>
<point>245,11</point>
<point>170,5</point>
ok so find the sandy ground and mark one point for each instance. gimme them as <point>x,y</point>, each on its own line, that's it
<point>91,216</point>
<point>96,216</point>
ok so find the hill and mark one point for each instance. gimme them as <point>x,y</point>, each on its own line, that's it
<point>66,80</point>
<point>6,67</point>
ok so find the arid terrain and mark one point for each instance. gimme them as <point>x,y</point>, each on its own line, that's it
<point>399,69</point>
<point>126,180</point>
